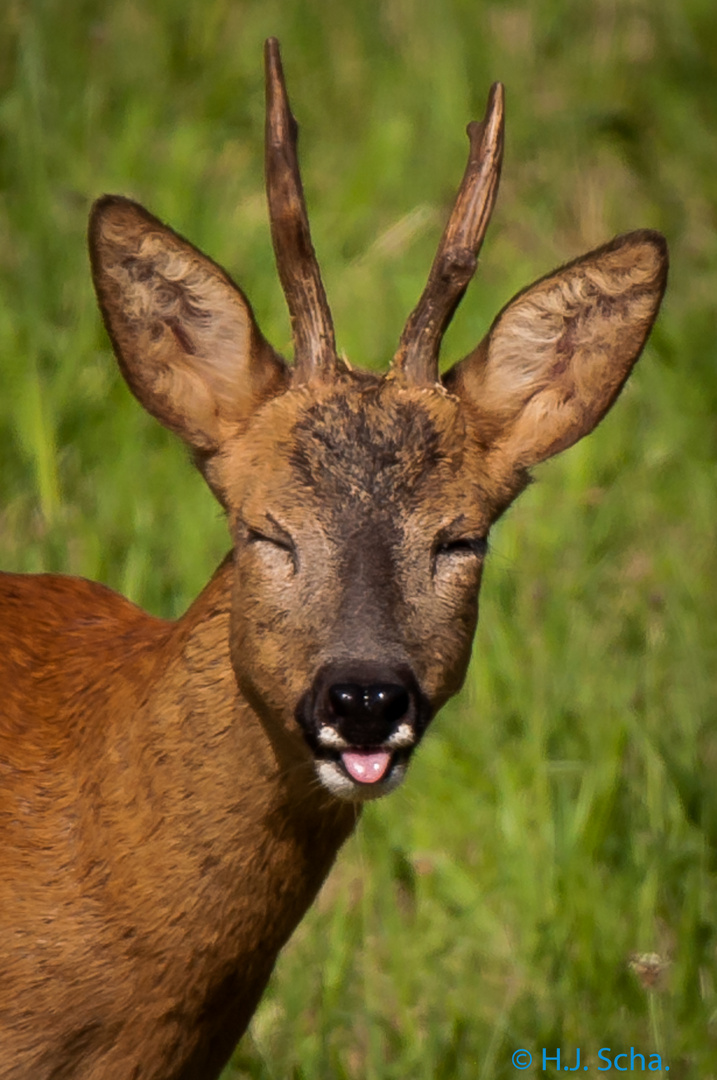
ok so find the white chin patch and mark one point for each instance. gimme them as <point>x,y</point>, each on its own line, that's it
<point>333,777</point>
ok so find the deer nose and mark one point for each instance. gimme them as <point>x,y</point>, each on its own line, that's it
<point>378,703</point>
<point>363,705</point>
<point>365,702</point>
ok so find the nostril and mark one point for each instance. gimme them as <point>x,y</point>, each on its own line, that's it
<point>346,700</point>
<point>387,703</point>
<point>383,702</point>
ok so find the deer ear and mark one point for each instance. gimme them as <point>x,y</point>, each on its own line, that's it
<point>558,354</point>
<point>184,334</point>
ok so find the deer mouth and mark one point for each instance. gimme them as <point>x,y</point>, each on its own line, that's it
<point>366,766</point>
<point>364,772</point>
<point>358,774</point>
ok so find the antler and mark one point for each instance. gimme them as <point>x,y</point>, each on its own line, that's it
<point>311,324</point>
<point>454,265</point>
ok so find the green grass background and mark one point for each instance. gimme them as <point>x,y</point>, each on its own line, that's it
<point>562,813</point>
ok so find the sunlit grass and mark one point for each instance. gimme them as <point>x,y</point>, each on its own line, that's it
<point>561,817</point>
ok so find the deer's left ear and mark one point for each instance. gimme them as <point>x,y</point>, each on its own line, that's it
<point>558,354</point>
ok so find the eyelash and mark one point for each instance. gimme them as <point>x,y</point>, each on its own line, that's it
<point>255,537</point>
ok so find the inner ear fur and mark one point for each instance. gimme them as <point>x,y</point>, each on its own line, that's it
<point>558,354</point>
<point>184,334</point>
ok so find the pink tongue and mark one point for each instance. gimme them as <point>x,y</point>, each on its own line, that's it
<point>366,766</point>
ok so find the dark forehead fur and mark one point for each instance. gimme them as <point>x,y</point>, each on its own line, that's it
<point>370,440</point>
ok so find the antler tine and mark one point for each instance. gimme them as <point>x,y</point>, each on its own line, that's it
<point>454,265</point>
<point>312,327</point>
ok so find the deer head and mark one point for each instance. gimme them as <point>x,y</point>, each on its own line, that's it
<point>360,505</point>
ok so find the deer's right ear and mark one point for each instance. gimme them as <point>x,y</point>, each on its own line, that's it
<point>185,336</point>
<point>558,354</point>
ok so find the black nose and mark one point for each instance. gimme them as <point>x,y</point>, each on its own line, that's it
<point>383,703</point>
<point>365,701</point>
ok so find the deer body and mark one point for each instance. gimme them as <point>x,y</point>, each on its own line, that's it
<point>172,795</point>
<point>155,889</point>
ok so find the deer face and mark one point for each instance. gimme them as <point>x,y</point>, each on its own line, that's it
<point>360,526</point>
<point>360,505</point>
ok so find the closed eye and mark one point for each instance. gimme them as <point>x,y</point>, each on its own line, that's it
<point>278,540</point>
<point>255,537</point>
<point>466,545</point>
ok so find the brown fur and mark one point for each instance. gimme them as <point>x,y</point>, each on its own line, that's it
<point>162,825</point>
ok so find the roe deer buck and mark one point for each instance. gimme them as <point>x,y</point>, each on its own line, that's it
<point>172,795</point>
